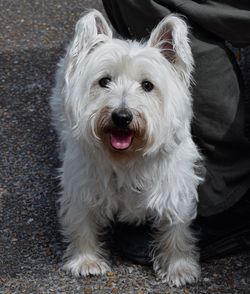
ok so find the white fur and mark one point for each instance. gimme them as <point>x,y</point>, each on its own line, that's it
<point>159,181</point>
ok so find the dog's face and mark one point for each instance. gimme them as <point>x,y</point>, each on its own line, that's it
<point>124,97</point>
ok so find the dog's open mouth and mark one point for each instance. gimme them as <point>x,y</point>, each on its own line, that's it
<point>121,139</point>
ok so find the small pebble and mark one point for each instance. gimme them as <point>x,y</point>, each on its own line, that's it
<point>87,291</point>
<point>30,220</point>
<point>110,282</point>
<point>130,269</point>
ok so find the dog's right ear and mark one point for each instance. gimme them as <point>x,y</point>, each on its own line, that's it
<point>90,31</point>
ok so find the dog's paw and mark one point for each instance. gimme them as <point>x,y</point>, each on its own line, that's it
<point>86,265</point>
<point>179,272</point>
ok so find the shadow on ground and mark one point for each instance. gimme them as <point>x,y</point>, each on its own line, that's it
<point>29,155</point>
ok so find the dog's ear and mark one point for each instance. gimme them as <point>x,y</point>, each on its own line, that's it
<point>91,30</point>
<point>171,37</point>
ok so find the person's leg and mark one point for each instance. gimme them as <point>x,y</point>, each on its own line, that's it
<point>227,232</point>
<point>134,19</point>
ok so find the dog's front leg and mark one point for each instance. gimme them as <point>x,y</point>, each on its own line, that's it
<point>79,220</point>
<point>176,259</point>
<point>84,255</point>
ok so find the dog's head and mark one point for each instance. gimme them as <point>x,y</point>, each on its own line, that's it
<point>124,97</point>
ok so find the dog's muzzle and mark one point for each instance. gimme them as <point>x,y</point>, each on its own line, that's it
<point>121,136</point>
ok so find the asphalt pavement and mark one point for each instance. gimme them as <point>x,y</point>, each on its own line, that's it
<point>33,36</point>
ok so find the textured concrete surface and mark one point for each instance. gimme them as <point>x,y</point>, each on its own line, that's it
<point>32,37</point>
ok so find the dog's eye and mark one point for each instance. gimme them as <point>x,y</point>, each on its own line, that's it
<point>104,82</point>
<point>147,86</point>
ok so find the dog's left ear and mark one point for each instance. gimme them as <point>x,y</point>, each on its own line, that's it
<point>171,37</point>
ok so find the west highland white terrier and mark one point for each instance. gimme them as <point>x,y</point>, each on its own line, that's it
<point>122,110</point>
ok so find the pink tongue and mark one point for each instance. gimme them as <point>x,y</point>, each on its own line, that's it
<point>121,140</point>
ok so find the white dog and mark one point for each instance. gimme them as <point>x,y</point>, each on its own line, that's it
<point>122,110</point>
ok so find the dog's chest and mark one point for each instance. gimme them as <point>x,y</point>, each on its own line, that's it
<point>131,196</point>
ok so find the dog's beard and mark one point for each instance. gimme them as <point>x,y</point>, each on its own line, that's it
<point>122,143</point>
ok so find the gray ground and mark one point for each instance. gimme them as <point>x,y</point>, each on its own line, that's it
<point>32,37</point>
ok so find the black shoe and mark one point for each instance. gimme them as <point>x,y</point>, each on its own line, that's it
<point>220,235</point>
<point>226,233</point>
<point>133,242</point>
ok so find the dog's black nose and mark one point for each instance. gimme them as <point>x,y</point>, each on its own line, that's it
<point>122,117</point>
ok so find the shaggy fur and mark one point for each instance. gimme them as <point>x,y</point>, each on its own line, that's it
<point>145,170</point>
